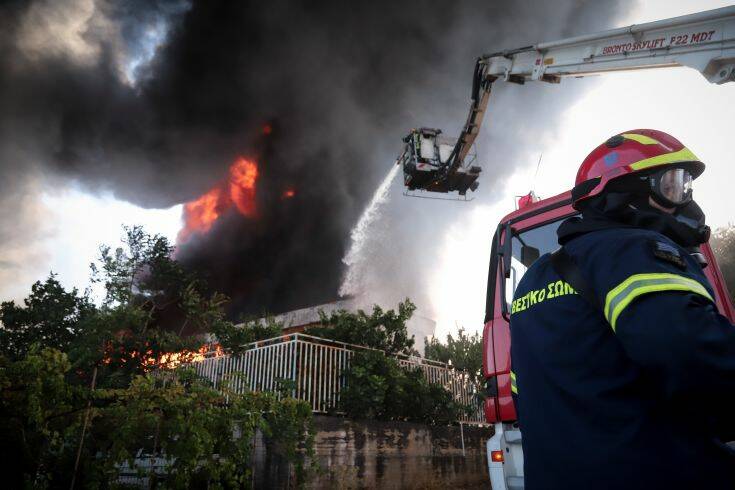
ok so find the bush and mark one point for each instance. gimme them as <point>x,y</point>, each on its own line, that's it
<point>204,435</point>
<point>234,339</point>
<point>383,330</point>
<point>377,387</point>
<point>723,245</point>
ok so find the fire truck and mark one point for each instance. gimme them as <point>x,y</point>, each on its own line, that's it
<point>704,41</point>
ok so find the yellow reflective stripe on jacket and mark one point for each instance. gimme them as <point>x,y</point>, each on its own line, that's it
<point>513,385</point>
<point>638,284</point>
<point>683,155</point>
<point>640,138</point>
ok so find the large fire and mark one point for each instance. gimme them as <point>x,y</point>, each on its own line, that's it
<point>237,191</point>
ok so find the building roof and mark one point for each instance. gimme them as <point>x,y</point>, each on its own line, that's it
<point>310,315</point>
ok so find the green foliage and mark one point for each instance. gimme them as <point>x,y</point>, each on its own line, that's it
<point>64,361</point>
<point>290,428</point>
<point>379,388</point>
<point>384,330</point>
<point>204,434</point>
<point>370,382</point>
<point>235,338</point>
<point>151,307</point>
<point>50,317</point>
<point>723,245</point>
<point>33,434</point>
<point>140,271</point>
<point>463,352</point>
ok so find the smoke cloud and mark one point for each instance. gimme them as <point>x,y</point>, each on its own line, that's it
<point>154,100</point>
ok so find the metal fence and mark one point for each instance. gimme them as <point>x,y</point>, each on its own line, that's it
<point>313,369</point>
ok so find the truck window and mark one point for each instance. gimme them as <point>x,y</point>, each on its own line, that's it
<point>528,246</point>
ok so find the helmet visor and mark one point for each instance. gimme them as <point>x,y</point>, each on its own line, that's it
<point>674,186</point>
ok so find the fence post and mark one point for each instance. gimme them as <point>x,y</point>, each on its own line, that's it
<point>293,349</point>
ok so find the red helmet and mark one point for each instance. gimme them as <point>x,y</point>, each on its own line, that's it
<point>638,151</point>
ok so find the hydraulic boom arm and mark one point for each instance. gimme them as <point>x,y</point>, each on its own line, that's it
<point>704,41</point>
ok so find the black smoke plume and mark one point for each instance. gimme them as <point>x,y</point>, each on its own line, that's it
<point>153,100</point>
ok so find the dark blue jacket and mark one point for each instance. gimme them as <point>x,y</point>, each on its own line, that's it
<point>625,395</point>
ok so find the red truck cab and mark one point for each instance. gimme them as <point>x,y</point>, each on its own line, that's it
<point>521,237</point>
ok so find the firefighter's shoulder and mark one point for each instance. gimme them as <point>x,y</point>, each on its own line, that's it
<point>623,264</point>
<point>538,286</point>
<point>540,271</point>
<point>620,250</point>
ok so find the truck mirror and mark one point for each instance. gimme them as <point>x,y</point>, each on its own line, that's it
<point>529,255</point>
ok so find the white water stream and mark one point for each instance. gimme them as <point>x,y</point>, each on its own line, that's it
<point>360,233</point>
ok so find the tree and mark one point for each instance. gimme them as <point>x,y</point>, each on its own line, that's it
<point>152,307</point>
<point>723,245</point>
<point>34,398</point>
<point>382,330</point>
<point>140,271</point>
<point>50,317</point>
<point>463,352</point>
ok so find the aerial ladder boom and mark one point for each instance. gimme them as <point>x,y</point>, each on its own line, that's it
<point>704,41</point>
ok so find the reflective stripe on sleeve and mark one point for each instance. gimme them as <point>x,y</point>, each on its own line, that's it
<point>638,284</point>
<point>513,386</point>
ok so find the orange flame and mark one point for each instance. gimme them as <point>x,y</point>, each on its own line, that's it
<point>201,214</point>
<point>289,193</point>
<point>243,174</point>
<point>237,191</point>
<point>173,360</point>
<point>169,360</point>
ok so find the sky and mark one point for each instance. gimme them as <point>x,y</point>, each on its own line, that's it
<point>79,223</point>
<point>678,101</point>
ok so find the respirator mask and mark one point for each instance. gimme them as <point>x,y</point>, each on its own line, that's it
<point>627,200</point>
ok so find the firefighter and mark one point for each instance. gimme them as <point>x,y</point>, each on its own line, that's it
<point>623,369</point>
